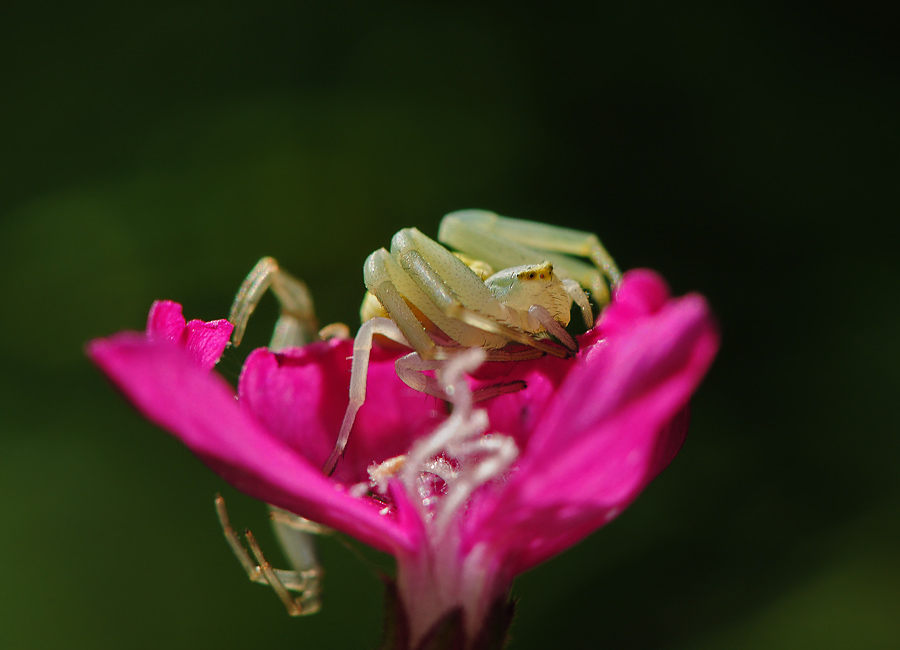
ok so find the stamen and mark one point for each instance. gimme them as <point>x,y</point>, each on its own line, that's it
<point>358,490</point>
<point>380,474</point>
<point>476,458</point>
<point>443,469</point>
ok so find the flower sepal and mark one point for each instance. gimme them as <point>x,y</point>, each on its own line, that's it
<point>449,633</point>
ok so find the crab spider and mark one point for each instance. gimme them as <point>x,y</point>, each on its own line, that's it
<point>431,301</point>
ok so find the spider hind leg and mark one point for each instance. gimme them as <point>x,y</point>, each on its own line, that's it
<point>305,582</point>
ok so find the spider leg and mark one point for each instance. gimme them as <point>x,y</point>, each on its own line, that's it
<point>305,582</point>
<point>289,520</point>
<point>297,324</point>
<point>500,388</point>
<point>283,581</point>
<point>405,328</point>
<point>579,298</point>
<point>382,273</point>
<point>452,295</point>
<point>296,536</point>
<point>503,242</point>
<point>489,325</point>
<point>411,369</point>
<point>362,349</point>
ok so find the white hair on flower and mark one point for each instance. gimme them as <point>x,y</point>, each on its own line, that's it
<point>479,458</point>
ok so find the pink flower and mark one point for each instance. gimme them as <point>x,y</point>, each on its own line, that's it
<point>464,512</point>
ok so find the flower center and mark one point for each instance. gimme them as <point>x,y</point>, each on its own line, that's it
<point>442,470</point>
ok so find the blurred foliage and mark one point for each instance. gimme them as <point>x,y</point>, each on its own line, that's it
<point>745,150</point>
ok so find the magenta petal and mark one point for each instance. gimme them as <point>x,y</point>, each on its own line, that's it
<point>199,407</point>
<point>641,293</point>
<point>301,395</point>
<point>617,419</point>
<point>291,395</point>
<point>663,356</point>
<point>205,341</point>
<point>517,414</point>
<point>165,322</point>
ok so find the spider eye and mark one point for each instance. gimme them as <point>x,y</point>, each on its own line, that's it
<point>542,276</point>
<point>531,276</point>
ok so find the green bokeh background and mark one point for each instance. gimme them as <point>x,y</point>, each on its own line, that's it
<point>745,150</point>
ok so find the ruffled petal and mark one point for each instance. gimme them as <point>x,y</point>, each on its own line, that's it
<point>199,407</point>
<point>205,341</point>
<point>617,419</point>
<point>165,322</point>
<point>301,395</point>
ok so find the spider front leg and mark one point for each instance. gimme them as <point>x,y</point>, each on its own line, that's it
<point>409,368</point>
<point>451,295</point>
<point>359,370</point>
<point>305,581</point>
<point>576,293</point>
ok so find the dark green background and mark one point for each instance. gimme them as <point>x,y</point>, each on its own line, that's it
<point>746,150</point>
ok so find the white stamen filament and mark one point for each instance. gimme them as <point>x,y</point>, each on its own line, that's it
<point>440,474</point>
<point>478,458</point>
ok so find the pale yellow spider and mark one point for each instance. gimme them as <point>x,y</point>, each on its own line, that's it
<point>428,299</point>
<point>436,304</point>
